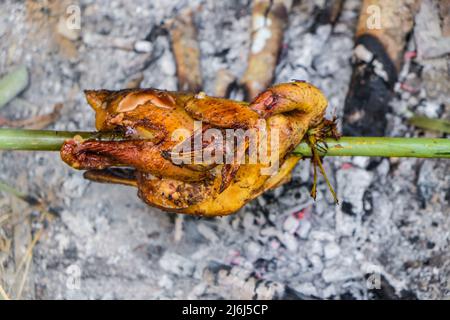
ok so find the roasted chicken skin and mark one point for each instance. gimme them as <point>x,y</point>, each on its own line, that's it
<point>153,123</point>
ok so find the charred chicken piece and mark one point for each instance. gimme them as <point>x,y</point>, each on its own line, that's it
<point>158,152</point>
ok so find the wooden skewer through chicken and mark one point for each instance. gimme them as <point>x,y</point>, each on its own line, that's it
<point>150,119</point>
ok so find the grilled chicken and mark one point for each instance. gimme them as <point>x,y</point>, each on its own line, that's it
<point>159,155</point>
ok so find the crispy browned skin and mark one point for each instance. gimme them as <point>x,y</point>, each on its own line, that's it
<point>149,117</point>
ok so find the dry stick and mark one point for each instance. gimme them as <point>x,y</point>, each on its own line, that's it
<point>186,51</point>
<point>4,218</point>
<point>37,122</point>
<point>269,18</point>
<point>47,140</point>
<point>3,294</point>
<point>224,81</point>
<point>27,258</point>
<point>32,244</point>
<point>25,262</point>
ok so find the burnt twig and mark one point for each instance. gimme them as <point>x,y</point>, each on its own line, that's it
<point>381,37</point>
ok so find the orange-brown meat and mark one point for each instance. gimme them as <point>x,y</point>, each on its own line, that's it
<point>243,150</point>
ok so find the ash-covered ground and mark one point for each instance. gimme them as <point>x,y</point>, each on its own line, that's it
<point>389,237</point>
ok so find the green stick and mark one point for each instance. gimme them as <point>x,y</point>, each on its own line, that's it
<point>12,84</point>
<point>441,125</point>
<point>35,140</point>
<point>383,147</point>
<point>47,140</point>
<point>41,140</point>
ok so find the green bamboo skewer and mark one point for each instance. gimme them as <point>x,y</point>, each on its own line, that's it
<point>383,147</point>
<point>47,140</point>
<point>36,140</point>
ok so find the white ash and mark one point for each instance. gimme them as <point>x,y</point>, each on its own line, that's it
<point>207,232</point>
<point>177,264</point>
<point>361,162</point>
<point>291,224</point>
<point>395,215</point>
<point>143,46</point>
<point>430,109</point>
<point>340,274</point>
<point>353,192</point>
<point>331,250</point>
<point>308,289</point>
<point>428,35</point>
<point>304,229</point>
